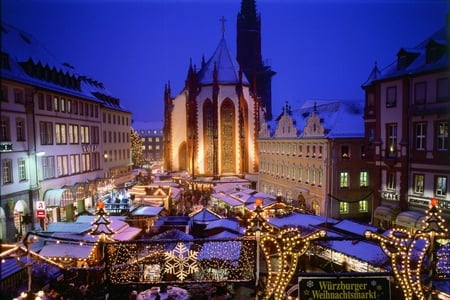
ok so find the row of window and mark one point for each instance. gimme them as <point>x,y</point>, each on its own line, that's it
<point>115,119</point>
<point>312,151</point>
<point>151,139</point>
<point>116,154</point>
<point>440,185</point>
<point>292,149</point>
<point>344,207</point>
<point>60,104</point>
<point>151,131</point>
<point>420,94</point>
<point>150,147</point>
<point>53,166</point>
<point>72,134</point>
<point>5,130</point>
<point>116,137</point>
<point>441,141</point>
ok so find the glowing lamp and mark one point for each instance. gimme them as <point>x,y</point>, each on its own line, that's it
<point>258,202</point>
<point>100,205</point>
<point>434,202</point>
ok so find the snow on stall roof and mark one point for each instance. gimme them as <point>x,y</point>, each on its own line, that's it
<point>354,227</point>
<point>223,223</point>
<point>147,211</point>
<point>204,215</point>
<point>66,250</point>
<point>225,235</point>
<point>299,219</point>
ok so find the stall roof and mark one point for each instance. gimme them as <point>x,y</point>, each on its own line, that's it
<point>354,227</point>
<point>66,250</point>
<point>299,219</point>
<point>147,211</point>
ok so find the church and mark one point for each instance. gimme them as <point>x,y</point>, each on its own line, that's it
<point>211,126</point>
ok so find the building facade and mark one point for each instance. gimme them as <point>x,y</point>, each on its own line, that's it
<point>407,116</point>
<point>55,161</point>
<point>151,134</point>
<point>210,128</point>
<point>314,159</point>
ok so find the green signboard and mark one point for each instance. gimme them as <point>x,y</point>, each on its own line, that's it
<point>343,288</point>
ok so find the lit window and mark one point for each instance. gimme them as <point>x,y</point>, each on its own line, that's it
<point>418,183</point>
<point>345,152</point>
<point>344,180</point>
<point>441,186</point>
<point>22,169</point>
<point>363,179</point>
<point>391,132</point>
<point>442,136</point>
<point>343,207</point>
<point>56,103</point>
<point>363,206</point>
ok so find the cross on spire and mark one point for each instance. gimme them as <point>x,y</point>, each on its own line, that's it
<point>223,20</point>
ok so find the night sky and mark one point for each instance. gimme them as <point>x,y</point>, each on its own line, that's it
<point>319,49</point>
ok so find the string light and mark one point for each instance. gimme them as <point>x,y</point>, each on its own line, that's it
<point>407,252</point>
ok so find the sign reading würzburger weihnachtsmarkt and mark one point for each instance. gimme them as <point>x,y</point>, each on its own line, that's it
<point>343,288</point>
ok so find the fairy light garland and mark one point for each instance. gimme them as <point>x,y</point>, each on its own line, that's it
<point>287,244</point>
<point>408,252</point>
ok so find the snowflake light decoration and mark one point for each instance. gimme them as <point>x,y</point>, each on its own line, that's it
<point>181,261</point>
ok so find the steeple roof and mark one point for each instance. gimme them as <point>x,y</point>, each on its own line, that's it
<point>225,64</point>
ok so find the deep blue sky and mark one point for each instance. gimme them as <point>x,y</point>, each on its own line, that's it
<point>320,49</point>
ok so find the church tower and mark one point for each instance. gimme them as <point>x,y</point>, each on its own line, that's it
<point>249,55</point>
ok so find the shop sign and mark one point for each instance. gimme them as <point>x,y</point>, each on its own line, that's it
<point>40,209</point>
<point>343,288</point>
<point>390,196</point>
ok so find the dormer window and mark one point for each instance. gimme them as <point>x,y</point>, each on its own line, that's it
<point>405,58</point>
<point>435,51</point>
<point>5,61</point>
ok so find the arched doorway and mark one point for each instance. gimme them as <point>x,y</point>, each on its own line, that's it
<point>21,210</point>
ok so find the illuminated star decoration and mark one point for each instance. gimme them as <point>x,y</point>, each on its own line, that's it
<point>408,252</point>
<point>181,261</point>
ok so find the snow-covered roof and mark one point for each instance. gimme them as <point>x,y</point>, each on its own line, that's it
<point>226,65</point>
<point>224,224</point>
<point>25,52</point>
<point>419,63</point>
<point>204,216</point>
<point>340,119</point>
<point>354,227</point>
<point>299,219</point>
<point>147,211</point>
<point>155,125</point>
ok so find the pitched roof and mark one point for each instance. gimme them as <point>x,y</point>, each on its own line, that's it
<point>226,65</point>
<point>418,62</point>
<point>25,51</point>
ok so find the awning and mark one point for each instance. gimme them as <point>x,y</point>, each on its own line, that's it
<point>385,213</point>
<point>58,197</point>
<point>410,219</point>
